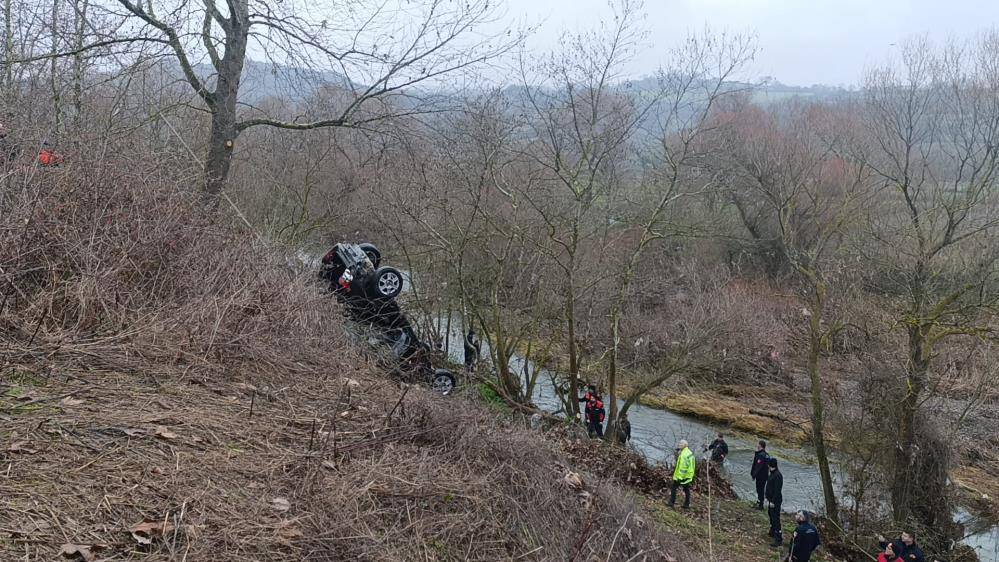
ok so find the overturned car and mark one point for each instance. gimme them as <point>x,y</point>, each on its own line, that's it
<point>368,292</point>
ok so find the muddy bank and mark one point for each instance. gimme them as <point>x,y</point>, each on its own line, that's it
<point>737,414</point>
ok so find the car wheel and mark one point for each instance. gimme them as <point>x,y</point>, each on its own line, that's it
<point>443,383</point>
<point>373,254</point>
<point>387,282</point>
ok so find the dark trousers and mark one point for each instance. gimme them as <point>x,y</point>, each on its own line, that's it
<point>774,512</point>
<point>595,428</point>
<point>686,493</point>
<point>760,487</point>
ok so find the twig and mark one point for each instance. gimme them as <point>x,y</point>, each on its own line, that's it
<point>405,391</point>
<point>581,542</point>
<point>625,524</point>
<point>40,400</point>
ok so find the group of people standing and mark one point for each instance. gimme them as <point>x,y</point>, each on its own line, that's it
<point>765,472</point>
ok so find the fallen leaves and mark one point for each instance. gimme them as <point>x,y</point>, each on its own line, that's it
<point>83,552</point>
<point>280,504</point>
<point>164,433</point>
<point>70,401</point>
<point>145,532</point>
<point>288,530</point>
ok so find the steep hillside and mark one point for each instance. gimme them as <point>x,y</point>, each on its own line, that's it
<point>171,391</point>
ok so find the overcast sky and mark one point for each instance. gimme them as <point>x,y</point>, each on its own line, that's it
<point>802,42</point>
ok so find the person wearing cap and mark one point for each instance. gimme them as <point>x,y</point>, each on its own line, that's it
<point>774,497</point>
<point>683,475</point>
<point>805,539</point>
<point>759,472</point>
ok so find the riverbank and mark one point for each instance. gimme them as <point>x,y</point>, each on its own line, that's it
<point>726,528</point>
<point>980,488</point>
<point>750,411</point>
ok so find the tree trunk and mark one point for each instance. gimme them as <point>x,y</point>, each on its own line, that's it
<point>80,10</point>
<point>8,51</point>
<point>818,406</point>
<point>611,433</point>
<point>220,145</point>
<point>223,134</point>
<point>571,349</point>
<point>54,70</point>
<point>916,377</point>
<point>915,382</point>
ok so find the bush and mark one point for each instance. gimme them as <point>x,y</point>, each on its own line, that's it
<point>114,262</point>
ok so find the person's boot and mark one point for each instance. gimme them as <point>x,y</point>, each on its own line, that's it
<point>778,540</point>
<point>759,506</point>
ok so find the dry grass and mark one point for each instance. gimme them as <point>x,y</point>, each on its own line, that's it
<point>120,269</point>
<point>172,392</point>
<point>737,414</point>
<point>366,476</point>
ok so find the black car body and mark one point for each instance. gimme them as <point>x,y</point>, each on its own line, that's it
<point>354,271</point>
<point>368,292</point>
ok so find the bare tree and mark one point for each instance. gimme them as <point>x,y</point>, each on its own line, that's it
<point>698,77</point>
<point>933,140</point>
<point>581,120</point>
<point>374,51</point>
<point>788,163</point>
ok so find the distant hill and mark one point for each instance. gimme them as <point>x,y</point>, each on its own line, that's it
<point>262,80</point>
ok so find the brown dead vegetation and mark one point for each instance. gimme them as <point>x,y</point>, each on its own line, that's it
<point>172,391</point>
<point>633,470</point>
<point>738,414</point>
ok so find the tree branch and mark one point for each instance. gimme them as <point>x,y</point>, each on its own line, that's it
<point>90,47</point>
<point>174,41</point>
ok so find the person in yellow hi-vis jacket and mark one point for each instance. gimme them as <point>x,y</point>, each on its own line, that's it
<point>683,476</point>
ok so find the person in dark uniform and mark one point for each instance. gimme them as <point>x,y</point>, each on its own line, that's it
<point>759,471</point>
<point>905,547</point>
<point>623,429</point>
<point>472,350</point>
<point>805,540</point>
<point>773,494</point>
<point>719,449</point>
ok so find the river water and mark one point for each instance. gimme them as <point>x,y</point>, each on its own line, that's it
<point>655,432</point>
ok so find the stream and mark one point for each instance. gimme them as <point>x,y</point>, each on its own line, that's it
<point>654,433</point>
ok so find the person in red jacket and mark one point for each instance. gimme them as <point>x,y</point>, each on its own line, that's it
<point>595,414</point>
<point>48,157</point>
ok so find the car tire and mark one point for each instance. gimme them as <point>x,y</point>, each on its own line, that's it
<point>386,283</point>
<point>443,382</point>
<point>372,252</point>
